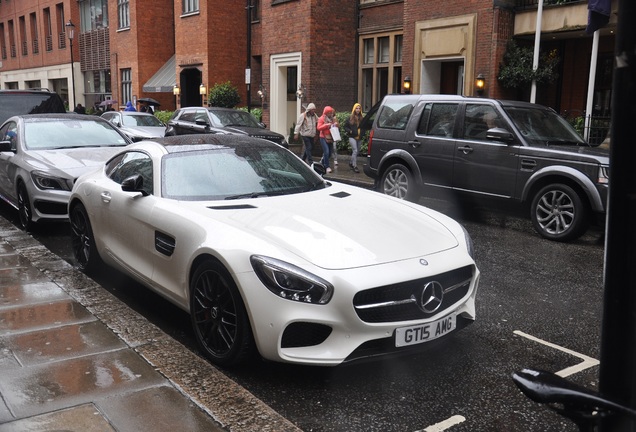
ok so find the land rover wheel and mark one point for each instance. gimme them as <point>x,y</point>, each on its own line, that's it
<point>398,181</point>
<point>559,213</point>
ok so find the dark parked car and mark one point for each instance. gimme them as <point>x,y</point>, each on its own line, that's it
<point>515,151</point>
<point>30,101</point>
<point>197,120</point>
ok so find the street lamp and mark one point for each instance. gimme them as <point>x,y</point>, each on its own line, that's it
<point>176,91</point>
<point>480,84</point>
<point>202,92</point>
<point>70,29</point>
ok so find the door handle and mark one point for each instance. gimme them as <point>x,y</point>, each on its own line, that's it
<point>465,149</point>
<point>414,143</point>
<point>105,197</point>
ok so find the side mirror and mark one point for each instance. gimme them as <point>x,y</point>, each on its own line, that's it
<point>5,146</point>
<point>499,134</point>
<point>319,168</point>
<point>202,123</point>
<point>134,183</point>
<point>263,125</point>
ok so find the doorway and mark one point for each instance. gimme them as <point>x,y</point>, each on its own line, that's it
<point>443,76</point>
<point>189,81</point>
<point>286,76</point>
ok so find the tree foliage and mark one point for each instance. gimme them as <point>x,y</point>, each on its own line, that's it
<point>516,69</point>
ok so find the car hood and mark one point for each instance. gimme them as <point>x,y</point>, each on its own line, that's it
<point>341,227</point>
<point>74,162</point>
<point>144,131</point>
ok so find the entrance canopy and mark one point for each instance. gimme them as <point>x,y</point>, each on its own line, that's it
<point>164,80</point>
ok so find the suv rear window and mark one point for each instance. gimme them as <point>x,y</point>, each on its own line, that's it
<point>29,102</point>
<point>395,113</point>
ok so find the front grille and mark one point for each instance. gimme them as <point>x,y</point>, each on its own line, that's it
<point>402,302</point>
<point>51,208</point>
<point>302,334</point>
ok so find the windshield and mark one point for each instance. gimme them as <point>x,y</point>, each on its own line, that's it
<point>141,120</point>
<point>232,173</point>
<point>543,127</point>
<point>233,118</point>
<point>62,133</point>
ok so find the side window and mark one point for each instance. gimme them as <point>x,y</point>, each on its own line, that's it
<point>10,133</point>
<point>440,120</point>
<point>187,116</point>
<point>480,118</point>
<point>395,115</point>
<point>129,164</point>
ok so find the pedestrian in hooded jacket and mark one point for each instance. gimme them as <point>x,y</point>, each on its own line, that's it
<point>352,127</point>
<point>326,120</point>
<point>306,128</point>
<point>129,106</point>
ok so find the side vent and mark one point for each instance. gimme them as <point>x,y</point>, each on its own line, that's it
<point>164,243</point>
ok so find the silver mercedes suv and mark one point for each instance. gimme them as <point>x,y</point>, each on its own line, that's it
<point>510,150</point>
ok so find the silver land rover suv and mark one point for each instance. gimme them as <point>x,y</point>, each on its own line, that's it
<point>515,151</point>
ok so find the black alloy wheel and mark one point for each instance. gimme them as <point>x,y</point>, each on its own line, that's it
<point>219,319</point>
<point>82,241</point>
<point>559,213</point>
<point>397,181</point>
<point>24,208</point>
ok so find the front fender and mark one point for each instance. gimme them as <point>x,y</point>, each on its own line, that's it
<point>559,171</point>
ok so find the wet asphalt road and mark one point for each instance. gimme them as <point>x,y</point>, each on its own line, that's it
<point>529,286</point>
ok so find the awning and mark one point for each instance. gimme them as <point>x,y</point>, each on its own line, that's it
<point>164,79</point>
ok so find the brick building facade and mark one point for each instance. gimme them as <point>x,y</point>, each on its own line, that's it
<point>282,54</point>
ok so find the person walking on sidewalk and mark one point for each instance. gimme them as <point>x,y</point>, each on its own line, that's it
<point>352,127</point>
<point>306,128</point>
<point>326,140</point>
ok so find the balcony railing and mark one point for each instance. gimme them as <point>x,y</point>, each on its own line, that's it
<point>49,43</point>
<point>61,40</point>
<point>533,4</point>
<point>36,46</point>
<point>25,48</point>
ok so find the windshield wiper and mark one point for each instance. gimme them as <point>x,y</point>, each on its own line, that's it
<point>255,195</point>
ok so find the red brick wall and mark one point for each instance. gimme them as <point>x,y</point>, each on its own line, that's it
<point>15,9</point>
<point>324,31</point>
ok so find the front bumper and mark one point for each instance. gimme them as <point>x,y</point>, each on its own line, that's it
<point>334,333</point>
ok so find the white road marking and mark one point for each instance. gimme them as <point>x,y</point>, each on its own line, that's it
<point>587,362</point>
<point>443,425</point>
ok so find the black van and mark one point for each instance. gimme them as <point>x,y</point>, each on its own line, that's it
<point>29,101</point>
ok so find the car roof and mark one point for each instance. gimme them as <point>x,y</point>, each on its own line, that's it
<point>58,116</point>
<point>180,143</point>
<point>446,97</point>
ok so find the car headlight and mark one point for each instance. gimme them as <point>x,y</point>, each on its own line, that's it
<point>46,181</point>
<point>290,282</point>
<point>469,243</point>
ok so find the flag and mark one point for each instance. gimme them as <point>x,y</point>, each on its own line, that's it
<point>598,14</point>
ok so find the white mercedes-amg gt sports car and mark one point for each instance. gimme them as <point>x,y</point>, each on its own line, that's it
<point>268,257</point>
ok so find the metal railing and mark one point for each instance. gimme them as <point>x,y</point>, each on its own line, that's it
<point>533,4</point>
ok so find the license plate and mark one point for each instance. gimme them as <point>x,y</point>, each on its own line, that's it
<point>418,334</point>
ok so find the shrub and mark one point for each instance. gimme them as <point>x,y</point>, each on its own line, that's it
<point>224,95</point>
<point>164,116</point>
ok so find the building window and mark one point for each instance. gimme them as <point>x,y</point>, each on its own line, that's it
<point>123,12</point>
<point>34,33</point>
<point>126,86</point>
<point>61,26</point>
<point>381,68</point>
<point>48,29</point>
<point>255,13</point>
<point>94,15</point>
<point>3,42</point>
<point>190,6</point>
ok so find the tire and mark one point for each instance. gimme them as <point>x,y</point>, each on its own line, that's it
<point>397,181</point>
<point>559,213</point>
<point>219,319</point>
<point>24,208</point>
<point>82,240</point>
